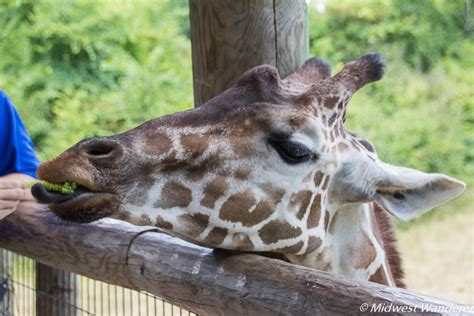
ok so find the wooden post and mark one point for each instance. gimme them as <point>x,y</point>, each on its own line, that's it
<point>229,37</point>
<point>55,291</point>
<point>6,295</point>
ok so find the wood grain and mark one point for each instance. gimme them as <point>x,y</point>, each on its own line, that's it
<point>229,37</point>
<point>197,278</point>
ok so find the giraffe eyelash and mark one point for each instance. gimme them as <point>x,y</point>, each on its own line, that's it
<point>292,152</point>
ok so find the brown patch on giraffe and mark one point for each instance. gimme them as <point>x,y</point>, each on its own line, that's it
<point>290,249</point>
<point>323,259</point>
<point>145,220</point>
<point>379,276</point>
<point>123,215</point>
<point>331,121</point>
<point>307,177</point>
<point>275,193</point>
<point>242,173</point>
<point>332,225</point>
<point>300,200</point>
<point>367,145</point>
<point>365,253</point>
<point>194,143</point>
<point>315,213</point>
<point>326,183</point>
<point>330,102</point>
<point>160,222</point>
<point>216,236</point>
<point>237,208</point>
<point>213,191</point>
<point>317,178</point>
<point>327,217</point>
<point>194,224</point>
<point>278,230</point>
<point>157,144</point>
<point>313,244</point>
<point>342,147</point>
<point>174,194</point>
<point>297,120</point>
<point>341,130</point>
<point>242,241</point>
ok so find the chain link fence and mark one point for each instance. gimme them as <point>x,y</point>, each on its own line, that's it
<point>20,296</point>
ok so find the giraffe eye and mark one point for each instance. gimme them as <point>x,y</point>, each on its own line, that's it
<point>293,152</point>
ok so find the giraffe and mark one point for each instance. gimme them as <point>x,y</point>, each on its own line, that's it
<point>266,166</point>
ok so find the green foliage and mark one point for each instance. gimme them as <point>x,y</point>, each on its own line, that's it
<point>80,69</point>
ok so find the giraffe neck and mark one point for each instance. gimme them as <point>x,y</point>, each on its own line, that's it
<point>351,246</point>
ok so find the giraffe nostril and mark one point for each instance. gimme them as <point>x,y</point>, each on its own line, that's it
<point>100,148</point>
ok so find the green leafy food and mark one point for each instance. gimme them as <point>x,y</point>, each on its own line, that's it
<point>65,188</point>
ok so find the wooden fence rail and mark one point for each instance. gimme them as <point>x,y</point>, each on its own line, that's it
<point>200,279</point>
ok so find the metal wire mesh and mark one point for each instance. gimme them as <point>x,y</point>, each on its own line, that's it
<point>19,295</point>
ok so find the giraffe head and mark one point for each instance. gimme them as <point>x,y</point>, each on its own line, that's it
<point>262,166</point>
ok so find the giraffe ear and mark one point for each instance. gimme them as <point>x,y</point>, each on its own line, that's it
<point>405,193</point>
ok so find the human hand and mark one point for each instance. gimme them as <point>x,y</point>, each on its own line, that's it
<point>11,194</point>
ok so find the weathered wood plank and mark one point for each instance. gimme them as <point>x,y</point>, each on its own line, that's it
<point>194,277</point>
<point>229,37</point>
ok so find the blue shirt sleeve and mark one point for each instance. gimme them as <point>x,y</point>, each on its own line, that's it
<point>17,154</point>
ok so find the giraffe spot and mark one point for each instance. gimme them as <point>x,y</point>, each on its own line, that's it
<point>332,138</point>
<point>242,241</point>
<point>330,102</point>
<point>315,213</point>
<point>300,200</point>
<point>123,215</point>
<point>275,193</point>
<point>327,217</point>
<point>342,147</point>
<point>307,177</point>
<point>216,236</point>
<point>326,182</point>
<point>379,276</point>
<point>238,208</point>
<point>194,144</point>
<point>364,254</point>
<point>340,106</point>
<point>290,249</point>
<point>174,194</point>
<point>323,260</point>
<point>278,230</point>
<point>367,145</point>
<point>194,224</point>
<point>332,224</point>
<point>331,121</point>
<point>197,171</point>
<point>297,120</point>
<point>144,220</point>
<point>160,222</point>
<point>242,173</point>
<point>157,144</point>
<point>317,178</point>
<point>313,244</point>
<point>213,191</point>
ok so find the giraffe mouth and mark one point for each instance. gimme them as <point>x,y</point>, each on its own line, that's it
<point>81,206</point>
<point>44,196</point>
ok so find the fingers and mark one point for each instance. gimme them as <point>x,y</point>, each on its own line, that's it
<point>10,184</point>
<point>7,205</point>
<point>14,190</point>
<point>12,194</point>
